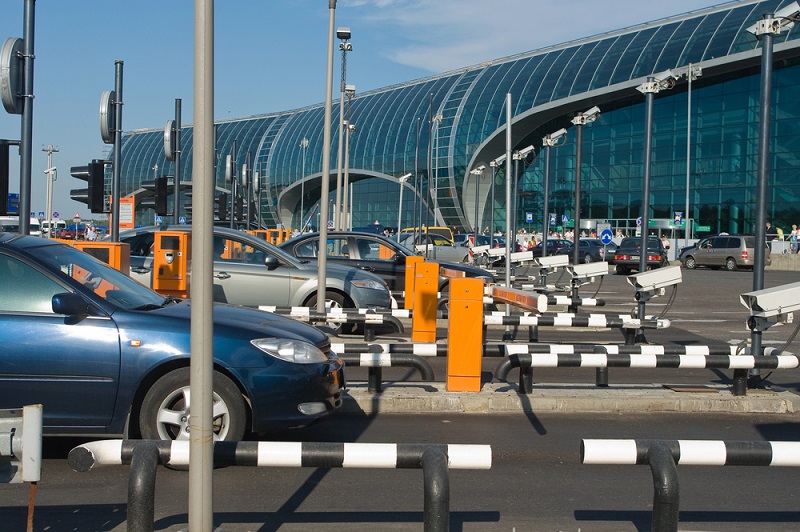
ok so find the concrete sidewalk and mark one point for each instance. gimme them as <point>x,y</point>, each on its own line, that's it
<point>432,397</point>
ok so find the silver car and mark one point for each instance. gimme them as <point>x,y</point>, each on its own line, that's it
<point>251,272</point>
<point>436,247</point>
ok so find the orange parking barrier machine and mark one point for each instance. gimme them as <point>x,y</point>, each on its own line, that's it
<point>115,254</point>
<point>411,263</point>
<point>465,335</point>
<point>171,260</point>
<point>426,287</point>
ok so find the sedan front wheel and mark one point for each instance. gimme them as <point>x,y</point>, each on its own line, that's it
<point>165,410</point>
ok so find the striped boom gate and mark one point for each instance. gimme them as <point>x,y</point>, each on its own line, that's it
<point>663,457</point>
<point>144,456</point>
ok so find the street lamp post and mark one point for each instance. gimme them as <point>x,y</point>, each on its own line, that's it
<point>304,145</point>
<point>579,121</point>
<point>692,72</point>
<point>518,156</point>
<point>350,91</point>
<point>477,173</point>
<point>548,142</point>
<point>52,174</point>
<point>400,204</point>
<point>345,46</point>
<point>493,165</point>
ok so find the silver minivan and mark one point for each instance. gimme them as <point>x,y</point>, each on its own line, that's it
<point>724,251</point>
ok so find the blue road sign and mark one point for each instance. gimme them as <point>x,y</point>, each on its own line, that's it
<point>41,214</point>
<point>639,221</point>
<point>182,220</point>
<point>56,215</point>
<point>159,220</point>
<point>552,218</point>
<point>564,218</point>
<point>528,217</point>
<point>606,236</point>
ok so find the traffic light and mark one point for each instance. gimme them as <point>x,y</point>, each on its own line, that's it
<point>3,178</point>
<point>94,194</point>
<point>221,206</point>
<point>239,209</point>
<point>160,189</point>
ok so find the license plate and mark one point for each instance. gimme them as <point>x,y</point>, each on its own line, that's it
<point>634,257</point>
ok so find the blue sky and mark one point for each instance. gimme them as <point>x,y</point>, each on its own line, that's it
<point>270,56</point>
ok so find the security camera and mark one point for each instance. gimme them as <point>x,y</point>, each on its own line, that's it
<point>343,34</point>
<point>521,154</point>
<point>773,301</point>
<point>498,161</point>
<point>781,19</point>
<point>587,116</point>
<point>652,283</point>
<point>588,271</point>
<point>556,261</point>
<point>552,138</point>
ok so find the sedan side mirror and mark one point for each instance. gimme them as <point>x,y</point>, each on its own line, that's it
<point>70,304</point>
<point>271,262</point>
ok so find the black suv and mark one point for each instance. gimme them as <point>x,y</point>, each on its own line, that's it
<point>630,249</point>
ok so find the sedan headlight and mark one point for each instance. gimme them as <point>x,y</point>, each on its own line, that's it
<point>371,284</point>
<point>290,350</point>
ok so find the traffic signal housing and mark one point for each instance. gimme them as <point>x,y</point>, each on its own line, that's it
<point>160,189</point>
<point>94,194</point>
<point>3,178</point>
<point>221,206</point>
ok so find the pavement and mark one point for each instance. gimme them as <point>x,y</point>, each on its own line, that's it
<point>433,397</point>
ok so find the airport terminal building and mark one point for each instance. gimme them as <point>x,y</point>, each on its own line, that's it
<point>441,129</point>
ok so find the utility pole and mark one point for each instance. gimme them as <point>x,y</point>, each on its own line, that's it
<point>50,149</point>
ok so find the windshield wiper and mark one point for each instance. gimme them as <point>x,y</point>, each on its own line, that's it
<point>149,306</point>
<point>171,299</point>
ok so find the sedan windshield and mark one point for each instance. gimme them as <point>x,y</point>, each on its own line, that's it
<point>96,276</point>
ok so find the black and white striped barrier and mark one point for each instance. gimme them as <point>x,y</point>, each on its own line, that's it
<point>663,455</point>
<point>368,320</point>
<point>569,301</point>
<point>418,349</point>
<point>377,361</point>
<point>144,455</point>
<point>520,357</point>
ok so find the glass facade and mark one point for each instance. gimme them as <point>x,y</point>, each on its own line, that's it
<point>440,128</point>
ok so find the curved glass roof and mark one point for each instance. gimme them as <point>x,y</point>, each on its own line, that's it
<point>393,124</point>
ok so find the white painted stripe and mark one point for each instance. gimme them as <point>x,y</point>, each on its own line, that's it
<point>598,321</point>
<point>692,362</point>
<point>105,452</point>
<point>469,456</point>
<point>280,454</point>
<point>644,361</point>
<point>702,452</point>
<point>697,350</point>
<point>594,360</point>
<point>609,452</point>
<point>425,350</point>
<point>787,362</point>
<point>611,349</point>
<point>545,360</point>
<point>742,362</point>
<point>528,320</point>
<point>373,455</point>
<point>179,453</point>
<point>562,322</point>
<point>492,320</point>
<point>562,348</point>
<point>267,308</point>
<point>516,349</point>
<point>376,359</point>
<point>401,313</point>
<point>652,349</point>
<point>785,453</point>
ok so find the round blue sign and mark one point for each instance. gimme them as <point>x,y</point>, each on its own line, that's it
<point>606,236</point>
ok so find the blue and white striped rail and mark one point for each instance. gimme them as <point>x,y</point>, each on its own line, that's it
<point>694,452</point>
<point>285,454</point>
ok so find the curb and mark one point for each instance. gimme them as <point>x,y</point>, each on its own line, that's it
<point>424,397</point>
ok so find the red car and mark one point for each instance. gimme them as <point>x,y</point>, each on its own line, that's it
<point>66,233</point>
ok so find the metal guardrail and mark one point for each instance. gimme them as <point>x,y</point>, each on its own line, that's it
<point>144,456</point>
<point>663,456</point>
<point>376,361</point>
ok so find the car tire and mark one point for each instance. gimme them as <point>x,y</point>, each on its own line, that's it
<point>730,264</point>
<point>335,300</point>
<point>689,263</point>
<point>165,416</point>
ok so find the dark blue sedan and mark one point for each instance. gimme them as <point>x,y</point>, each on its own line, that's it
<point>105,355</point>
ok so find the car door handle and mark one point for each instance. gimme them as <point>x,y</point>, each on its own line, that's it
<point>368,268</point>
<point>222,275</point>
<point>140,270</point>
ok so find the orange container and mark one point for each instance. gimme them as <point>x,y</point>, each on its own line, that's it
<point>465,335</point>
<point>426,287</point>
<point>411,263</point>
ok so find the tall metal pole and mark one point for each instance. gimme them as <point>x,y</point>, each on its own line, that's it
<point>764,110</point>
<point>400,207</point>
<point>25,147</point>
<point>491,208</point>
<point>576,251</point>
<point>201,444</point>
<point>117,167</point>
<point>417,222</point>
<point>546,193</point>
<point>304,145</point>
<point>176,197</point>
<point>690,76</point>
<point>337,213</point>
<point>345,210</point>
<point>322,261</point>
<point>645,214</point>
<point>232,169</point>
<point>49,203</point>
<point>509,162</point>
<point>477,173</point>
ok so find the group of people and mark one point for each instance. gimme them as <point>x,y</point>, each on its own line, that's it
<point>793,238</point>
